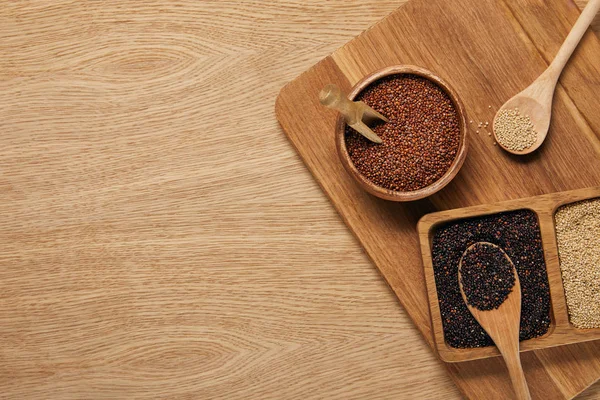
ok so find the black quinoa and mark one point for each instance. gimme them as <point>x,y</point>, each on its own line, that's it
<point>486,275</point>
<point>518,233</point>
<point>421,140</point>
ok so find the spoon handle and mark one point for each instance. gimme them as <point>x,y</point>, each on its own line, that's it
<point>517,377</point>
<point>331,96</point>
<point>356,113</point>
<point>574,37</point>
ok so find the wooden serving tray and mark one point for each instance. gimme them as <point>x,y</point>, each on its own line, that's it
<point>561,331</point>
<point>487,50</point>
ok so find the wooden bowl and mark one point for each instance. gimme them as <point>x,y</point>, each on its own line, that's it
<point>388,194</point>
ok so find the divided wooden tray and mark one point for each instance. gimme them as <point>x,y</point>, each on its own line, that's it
<point>561,331</point>
<point>488,51</point>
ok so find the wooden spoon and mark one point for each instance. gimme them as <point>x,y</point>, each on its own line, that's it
<point>502,324</point>
<point>356,113</point>
<point>536,100</point>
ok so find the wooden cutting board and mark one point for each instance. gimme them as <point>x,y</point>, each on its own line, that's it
<point>488,51</point>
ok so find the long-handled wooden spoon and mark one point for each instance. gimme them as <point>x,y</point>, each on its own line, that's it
<point>356,113</point>
<point>502,324</point>
<point>536,100</point>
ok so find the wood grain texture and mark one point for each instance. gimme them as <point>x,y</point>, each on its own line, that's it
<point>160,237</point>
<point>561,332</point>
<point>463,47</point>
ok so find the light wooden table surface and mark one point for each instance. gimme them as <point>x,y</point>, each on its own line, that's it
<point>160,237</point>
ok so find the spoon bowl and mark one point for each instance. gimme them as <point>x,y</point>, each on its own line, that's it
<point>539,114</point>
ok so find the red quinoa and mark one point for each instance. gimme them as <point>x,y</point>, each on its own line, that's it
<point>419,143</point>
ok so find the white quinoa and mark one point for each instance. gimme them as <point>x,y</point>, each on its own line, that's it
<point>514,131</point>
<point>578,237</point>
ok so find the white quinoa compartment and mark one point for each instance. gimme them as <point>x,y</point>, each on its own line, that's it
<point>578,238</point>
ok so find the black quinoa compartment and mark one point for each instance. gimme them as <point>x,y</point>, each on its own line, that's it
<point>518,234</point>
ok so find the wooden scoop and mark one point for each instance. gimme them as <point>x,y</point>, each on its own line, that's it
<point>356,113</point>
<point>536,100</point>
<point>502,324</point>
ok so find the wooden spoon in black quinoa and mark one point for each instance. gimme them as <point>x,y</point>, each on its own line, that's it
<point>490,287</point>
